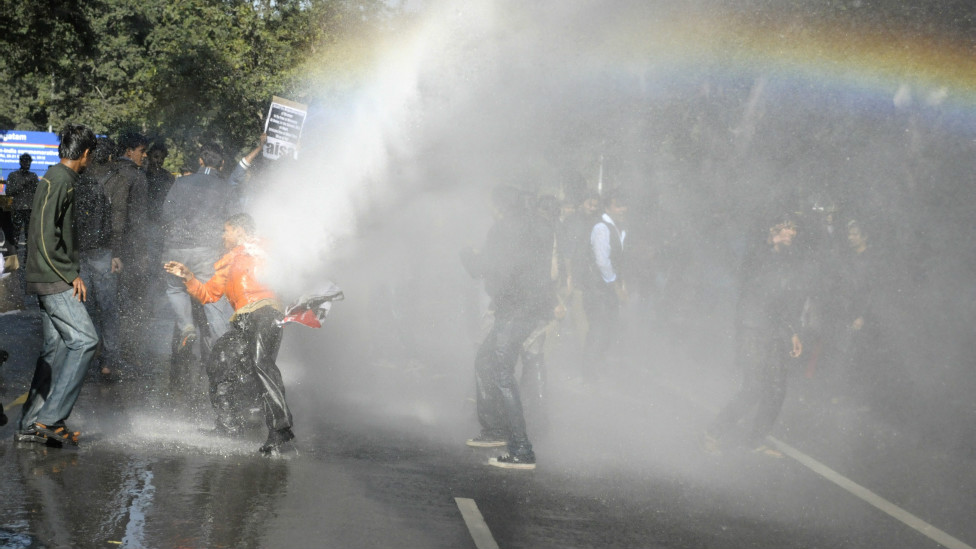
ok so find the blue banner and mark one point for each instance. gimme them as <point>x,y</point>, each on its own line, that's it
<point>42,146</point>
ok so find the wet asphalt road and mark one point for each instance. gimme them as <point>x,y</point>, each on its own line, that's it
<point>619,466</point>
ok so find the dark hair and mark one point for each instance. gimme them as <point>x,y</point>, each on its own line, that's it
<point>75,140</point>
<point>132,140</point>
<point>612,195</point>
<point>243,221</point>
<point>160,146</point>
<point>104,149</point>
<point>25,161</point>
<point>212,155</point>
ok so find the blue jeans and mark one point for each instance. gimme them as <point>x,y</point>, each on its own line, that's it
<point>69,345</point>
<point>200,261</point>
<point>103,301</point>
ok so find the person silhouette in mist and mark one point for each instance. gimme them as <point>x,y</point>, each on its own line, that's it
<point>769,314</point>
<point>515,263</point>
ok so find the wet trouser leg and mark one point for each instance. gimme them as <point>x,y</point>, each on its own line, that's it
<point>505,344</point>
<point>264,338</point>
<point>761,358</point>
<point>227,371</point>
<point>242,368</point>
<point>490,414</point>
<point>200,261</point>
<point>69,345</point>
<point>102,301</point>
<point>533,381</point>
<point>602,313</point>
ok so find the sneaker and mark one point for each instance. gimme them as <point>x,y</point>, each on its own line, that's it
<point>486,441</point>
<point>57,433</point>
<point>509,461</point>
<point>275,439</point>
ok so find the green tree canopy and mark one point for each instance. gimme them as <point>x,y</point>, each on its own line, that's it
<point>184,70</point>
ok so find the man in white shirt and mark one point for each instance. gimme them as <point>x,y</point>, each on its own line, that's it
<point>604,288</point>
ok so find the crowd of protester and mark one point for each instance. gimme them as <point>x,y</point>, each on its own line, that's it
<point>106,231</point>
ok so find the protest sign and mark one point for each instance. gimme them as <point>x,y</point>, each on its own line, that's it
<point>284,128</point>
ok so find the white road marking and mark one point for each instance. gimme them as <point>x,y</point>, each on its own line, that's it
<point>890,509</point>
<point>863,493</point>
<point>476,524</point>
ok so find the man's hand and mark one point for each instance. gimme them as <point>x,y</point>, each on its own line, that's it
<point>116,265</point>
<point>797,347</point>
<point>178,269</point>
<point>80,291</point>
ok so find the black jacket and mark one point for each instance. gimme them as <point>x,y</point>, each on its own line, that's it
<point>93,214</point>
<point>516,264</point>
<point>195,210</point>
<point>773,290</point>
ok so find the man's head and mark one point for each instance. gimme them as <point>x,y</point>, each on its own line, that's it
<point>104,149</point>
<point>591,203</point>
<point>133,146</point>
<point>615,204</point>
<point>237,229</point>
<point>158,154</point>
<point>211,156</point>
<point>25,161</point>
<point>76,144</point>
<point>782,232</point>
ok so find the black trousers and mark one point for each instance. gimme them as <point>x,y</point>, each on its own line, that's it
<point>602,308</point>
<point>242,368</point>
<point>763,357</point>
<point>498,400</point>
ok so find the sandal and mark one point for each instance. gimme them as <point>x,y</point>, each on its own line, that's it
<point>57,433</point>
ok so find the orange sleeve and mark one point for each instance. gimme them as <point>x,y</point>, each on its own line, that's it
<point>213,289</point>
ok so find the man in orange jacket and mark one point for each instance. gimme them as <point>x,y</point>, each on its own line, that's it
<point>249,349</point>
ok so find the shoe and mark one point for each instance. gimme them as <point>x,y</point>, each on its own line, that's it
<point>767,451</point>
<point>509,461</point>
<point>486,441</point>
<point>57,433</point>
<point>187,337</point>
<point>31,436</point>
<point>3,416</point>
<point>275,439</point>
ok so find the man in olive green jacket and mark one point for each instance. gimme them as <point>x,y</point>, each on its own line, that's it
<point>52,273</point>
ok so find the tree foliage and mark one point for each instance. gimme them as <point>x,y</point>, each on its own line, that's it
<point>186,70</point>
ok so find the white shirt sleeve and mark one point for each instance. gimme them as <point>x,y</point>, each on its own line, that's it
<point>600,243</point>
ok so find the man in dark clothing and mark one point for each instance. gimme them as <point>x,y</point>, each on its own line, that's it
<point>192,217</point>
<point>52,272</point>
<point>603,283</point>
<point>158,179</point>
<point>21,185</point>
<point>768,320</point>
<point>515,264</point>
<point>127,190</point>
<point>100,264</point>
